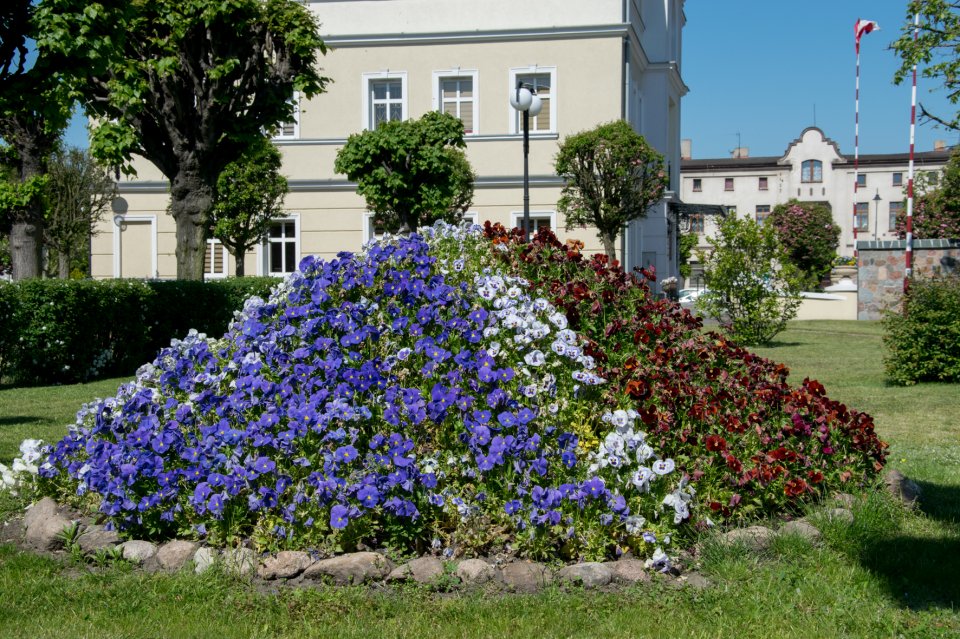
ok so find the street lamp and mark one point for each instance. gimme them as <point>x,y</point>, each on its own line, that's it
<point>876,215</point>
<point>525,100</point>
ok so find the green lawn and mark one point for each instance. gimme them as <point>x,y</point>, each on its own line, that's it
<point>891,574</point>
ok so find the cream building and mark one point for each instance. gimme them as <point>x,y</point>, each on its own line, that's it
<point>591,61</point>
<point>812,169</point>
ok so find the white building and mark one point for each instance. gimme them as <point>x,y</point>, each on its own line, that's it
<point>812,169</point>
<point>591,61</point>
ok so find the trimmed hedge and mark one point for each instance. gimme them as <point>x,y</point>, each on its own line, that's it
<point>68,331</point>
<point>923,342</point>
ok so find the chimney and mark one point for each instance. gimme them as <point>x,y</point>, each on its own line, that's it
<point>686,149</point>
<point>740,152</point>
<point>939,145</point>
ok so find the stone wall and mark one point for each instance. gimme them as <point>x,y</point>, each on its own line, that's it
<point>881,269</point>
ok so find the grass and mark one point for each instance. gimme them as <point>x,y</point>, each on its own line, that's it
<point>890,574</point>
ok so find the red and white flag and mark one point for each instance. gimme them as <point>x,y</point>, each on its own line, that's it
<point>862,28</point>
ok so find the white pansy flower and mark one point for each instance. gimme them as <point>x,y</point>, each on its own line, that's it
<point>664,466</point>
<point>634,524</point>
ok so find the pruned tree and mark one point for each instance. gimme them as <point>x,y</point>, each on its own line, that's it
<point>613,176</point>
<point>809,235</point>
<point>411,172</point>
<point>15,18</point>
<point>935,49</point>
<point>249,194</point>
<point>78,191</point>
<point>187,84</point>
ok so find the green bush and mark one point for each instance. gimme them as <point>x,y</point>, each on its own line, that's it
<point>67,331</point>
<point>923,342</point>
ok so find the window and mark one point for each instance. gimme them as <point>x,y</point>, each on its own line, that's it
<point>897,179</point>
<point>861,180</point>
<point>543,81</point>
<point>697,223</point>
<point>811,171</point>
<point>896,209</point>
<point>384,98</point>
<point>727,184</point>
<point>762,184</point>
<point>215,260</point>
<point>282,252</point>
<point>455,92</point>
<point>861,217</point>
<point>933,178</point>
<point>290,130</point>
<point>697,185</point>
<point>374,231</point>
<point>763,212</point>
<point>538,220</point>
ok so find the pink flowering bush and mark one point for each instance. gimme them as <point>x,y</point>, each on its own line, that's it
<point>809,235</point>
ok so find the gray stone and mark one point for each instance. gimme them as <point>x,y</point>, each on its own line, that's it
<point>204,559</point>
<point>844,500</point>
<point>138,551</point>
<point>629,571</point>
<point>43,525</point>
<point>423,570</point>
<point>475,571</point>
<point>96,538</point>
<point>355,568</point>
<point>694,580</point>
<point>753,537</point>
<point>838,514</point>
<point>525,576</point>
<point>239,561</point>
<point>801,528</point>
<point>175,554</point>
<point>286,565</point>
<point>589,574</point>
<point>904,489</point>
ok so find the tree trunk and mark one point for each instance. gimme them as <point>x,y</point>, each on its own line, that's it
<point>63,265</point>
<point>26,235</point>
<point>238,258</point>
<point>609,247</point>
<point>191,199</point>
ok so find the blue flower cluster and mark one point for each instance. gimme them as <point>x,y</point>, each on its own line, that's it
<point>394,387</point>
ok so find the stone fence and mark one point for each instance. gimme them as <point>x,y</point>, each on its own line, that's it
<point>881,270</point>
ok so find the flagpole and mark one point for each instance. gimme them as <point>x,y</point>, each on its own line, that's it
<point>856,148</point>
<point>908,266</point>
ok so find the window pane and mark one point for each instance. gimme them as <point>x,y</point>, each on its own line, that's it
<point>861,220</point>
<point>379,114</point>
<point>396,111</point>
<point>276,230</point>
<point>897,179</point>
<point>290,256</point>
<point>466,116</point>
<point>379,90</point>
<point>276,257</point>
<point>896,209</point>
<point>542,121</point>
<point>395,88</point>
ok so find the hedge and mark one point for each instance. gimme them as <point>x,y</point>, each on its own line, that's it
<point>68,331</point>
<point>923,342</point>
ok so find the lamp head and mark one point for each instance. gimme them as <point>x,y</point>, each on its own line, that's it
<point>536,104</point>
<point>521,98</point>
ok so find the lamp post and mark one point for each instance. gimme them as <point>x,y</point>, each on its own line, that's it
<point>876,215</point>
<point>525,100</point>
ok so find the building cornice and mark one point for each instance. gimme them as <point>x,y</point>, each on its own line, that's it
<point>500,137</point>
<point>463,37</point>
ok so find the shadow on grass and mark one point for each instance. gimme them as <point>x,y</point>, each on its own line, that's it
<point>25,419</point>
<point>940,502</point>
<point>781,344</point>
<point>919,572</point>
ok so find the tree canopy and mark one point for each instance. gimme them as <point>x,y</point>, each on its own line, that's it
<point>935,49</point>
<point>810,236</point>
<point>936,207</point>
<point>613,176</point>
<point>411,172</point>
<point>188,85</point>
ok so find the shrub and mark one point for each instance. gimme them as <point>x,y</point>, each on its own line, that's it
<point>923,341</point>
<point>809,235</point>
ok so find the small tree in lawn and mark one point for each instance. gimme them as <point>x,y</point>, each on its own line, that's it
<point>613,176</point>
<point>249,194</point>
<point>754,288</point>
<point>809,235</point>
<point>411,173</point>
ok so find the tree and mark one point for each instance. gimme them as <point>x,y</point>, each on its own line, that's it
<point>753,287</point>
<point>688,242</point>
<point>411,173</point>
<point>77,193</point>
<point>613,176</point>
<point>936,47</point>
<point>34,109</point>
<point>936,206</point>
<point>249,195</point>
<point>188,85</point>
<point>809,235</point>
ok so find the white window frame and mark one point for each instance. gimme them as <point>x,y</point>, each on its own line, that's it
<point>366,103</point>
<point>474,75</point>
<point>296,121</point>
<point>263,259</point>
<point>516,219</point>
<point>212,245</point>
<point>119,221</point>
<point>514,125</point>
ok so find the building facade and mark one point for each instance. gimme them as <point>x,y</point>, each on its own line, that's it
<point>590,61</point>
<point>812,169</point>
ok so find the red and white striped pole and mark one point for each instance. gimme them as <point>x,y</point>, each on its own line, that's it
<point>908,266</point>
<point>860,29</point>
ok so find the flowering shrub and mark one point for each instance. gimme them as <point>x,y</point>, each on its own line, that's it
<point>808,233</point>
<point>414,394</point>
<point>751,444</point>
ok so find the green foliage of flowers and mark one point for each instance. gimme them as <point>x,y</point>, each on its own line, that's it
<point>809,235</point>
<point>923,340</point>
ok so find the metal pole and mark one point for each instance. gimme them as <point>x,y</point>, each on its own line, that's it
<point>526,176</point>
<point>908,265</point>
<point>856,149</point>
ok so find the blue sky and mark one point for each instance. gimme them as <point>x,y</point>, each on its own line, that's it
<point>764,67</point>
<point>767,69</point>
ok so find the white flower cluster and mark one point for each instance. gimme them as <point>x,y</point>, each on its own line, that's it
<point>24,466</point>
